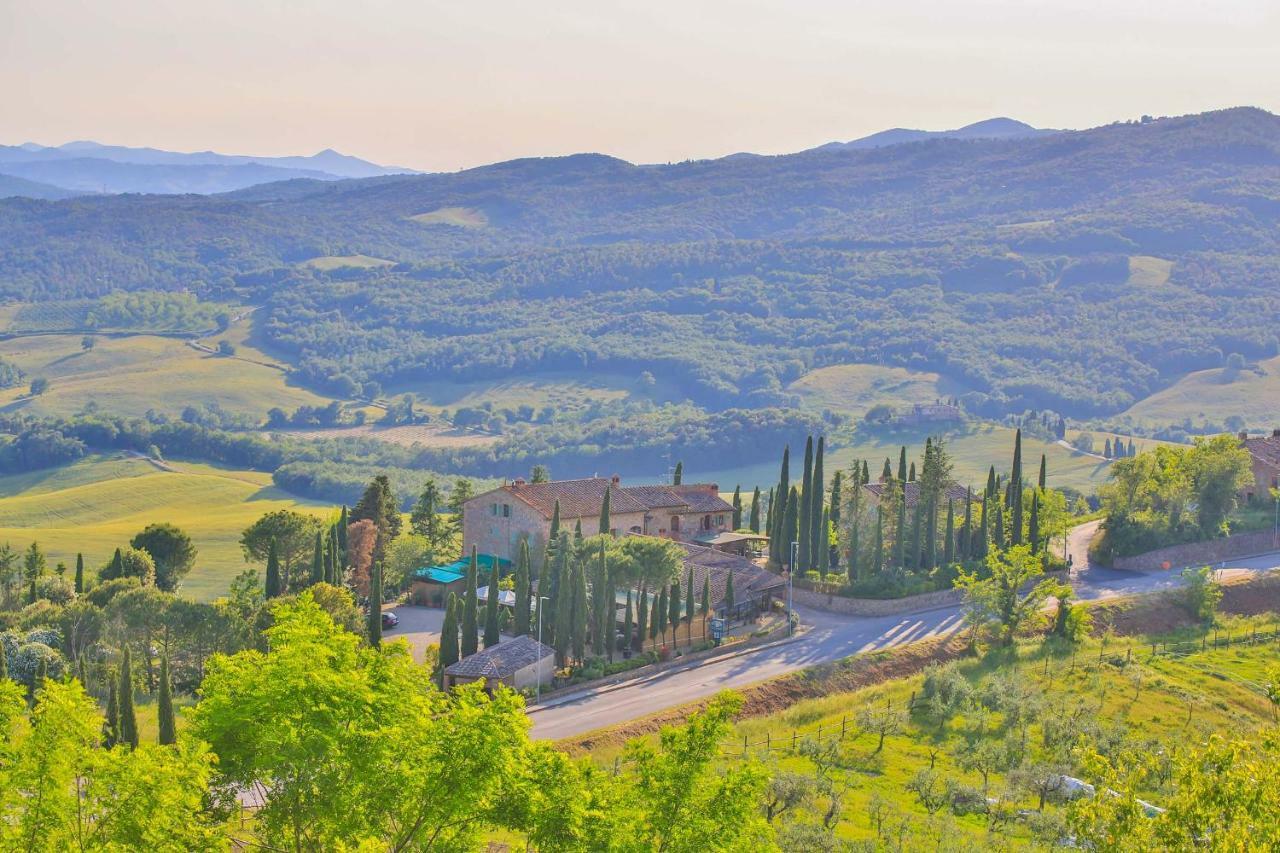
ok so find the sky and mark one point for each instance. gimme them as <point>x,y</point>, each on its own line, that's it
<point>447,85</point>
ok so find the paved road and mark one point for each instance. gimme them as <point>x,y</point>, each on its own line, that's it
<point>831,637</point>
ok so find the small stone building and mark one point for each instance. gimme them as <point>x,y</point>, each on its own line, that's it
<point>1264,458</point>
<point>519,663</point>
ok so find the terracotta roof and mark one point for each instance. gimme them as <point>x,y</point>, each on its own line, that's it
<point>583,498</point>
<point>912,492</point>
<point>1265,450</point>
<point>502,660</point>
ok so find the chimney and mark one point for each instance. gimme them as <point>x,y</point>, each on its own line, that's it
<point>615,480</point>
<point>519,481</point>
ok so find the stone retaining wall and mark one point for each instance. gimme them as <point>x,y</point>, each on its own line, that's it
<point>876,606</point>
<point>1200,553</point>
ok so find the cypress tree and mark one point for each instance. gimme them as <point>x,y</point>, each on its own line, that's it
<point>902,464</point>
<point>663,613</point>
<point>737,507</point>
<point>628,623</point>
<point>949,544</point>
<point>375,606</point>
<point>168,730</point>
<point>879,551</point>
<point>728,596</point>
<point>449,636</point>
<point>581,616</point>
<point>79,574</point>
<point>673,612</point>
<point>470,616</point>
<point>522,590</point>
<point>128,719</point>
<point>272,587</point>
<point>491,608</point>
<point>111,726</point>
<point>563,637</point>
<point>804,512</point>
<point>605,525</point>
<point>754,522</point>
<point>1042,479</point>
<point>678,476</point>
<point>817,533</point>
<point>788,530</point>
<point>689,605</point>
<point>1034,533</point>
<point>599,605</point>
<point>317,560</point>
<point>642,618</point>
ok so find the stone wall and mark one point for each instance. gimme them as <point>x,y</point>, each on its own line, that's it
<point>876,606</point>
<point>1200,553</point>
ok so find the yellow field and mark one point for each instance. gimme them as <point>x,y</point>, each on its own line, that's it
<point>99,503</point>
<point>128,376</point>
<point>855,388</point>
<point>1214,395</point>
<point>462,217</point>
<point>334,262</point>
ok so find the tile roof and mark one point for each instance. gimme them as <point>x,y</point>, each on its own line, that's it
<point>1266,450</point>
<point>911,491</point>
<point>502,660</point>
<point>583,498</point>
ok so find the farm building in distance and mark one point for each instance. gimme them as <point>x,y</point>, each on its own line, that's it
<point>495,522</point>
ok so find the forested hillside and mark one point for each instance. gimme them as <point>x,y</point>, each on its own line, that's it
<point>1023,268</point>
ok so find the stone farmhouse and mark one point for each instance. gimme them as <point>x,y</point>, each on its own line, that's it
<point>1264,456</point>
<point>495,522</point>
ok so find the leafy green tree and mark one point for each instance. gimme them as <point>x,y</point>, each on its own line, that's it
<point>998,600</point>
<point>470,621</point>
<point>128,718</point>
<point>292,532</point>
<point>168,728</point>
<point>172,551</point>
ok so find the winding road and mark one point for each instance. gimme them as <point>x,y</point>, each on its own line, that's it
<point>829,637</point>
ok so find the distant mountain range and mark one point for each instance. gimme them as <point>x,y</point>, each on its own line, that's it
<point>992,128</point>
<point>78,168</point>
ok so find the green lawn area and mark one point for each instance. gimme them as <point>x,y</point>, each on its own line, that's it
<point>855,388</point>
<point>335,262</point>
<point>128,376</point>
<point>1214,395</point>
<point>97,504</point>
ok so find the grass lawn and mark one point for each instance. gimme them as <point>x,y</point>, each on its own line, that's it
<point>1214,395</point>
<point>97,504</point>
<point>855,388</point>
<point>128,376</point>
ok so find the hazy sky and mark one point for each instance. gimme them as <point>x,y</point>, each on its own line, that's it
<point>444,85</point>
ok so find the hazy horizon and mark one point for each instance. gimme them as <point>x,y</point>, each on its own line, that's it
<point>438,87</point>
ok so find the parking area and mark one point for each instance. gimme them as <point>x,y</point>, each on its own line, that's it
<point>419,625</point>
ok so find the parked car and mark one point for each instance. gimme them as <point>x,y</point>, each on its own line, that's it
<point>389,619</point>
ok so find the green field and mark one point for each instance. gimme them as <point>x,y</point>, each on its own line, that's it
<point>973,449</point>
<point>1214,395</point>
<point>855,388</point>
<point>462,217</point>
<point>99,503</point>
<point>336,262</point>
<point>129,375</point>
